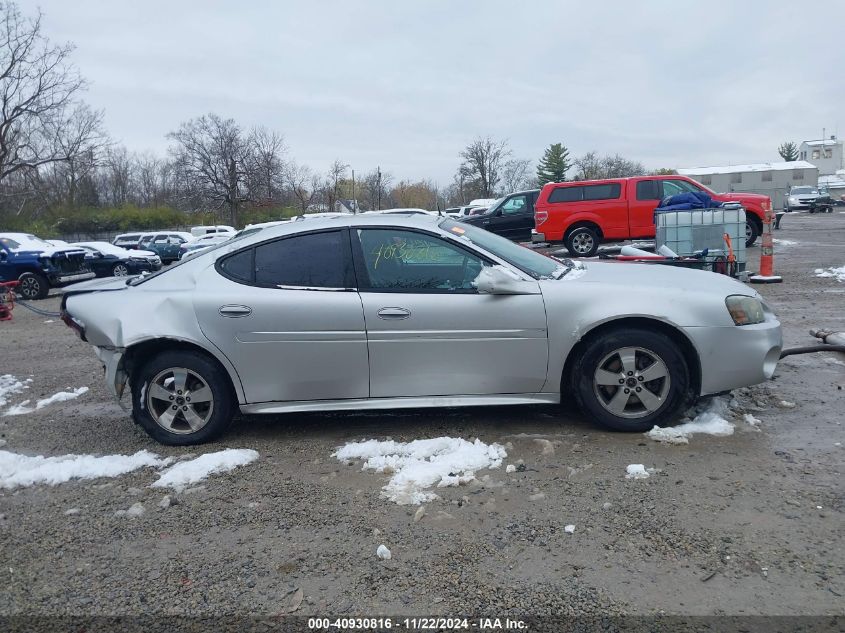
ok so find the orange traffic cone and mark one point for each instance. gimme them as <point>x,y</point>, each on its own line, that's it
<point>767,253</point>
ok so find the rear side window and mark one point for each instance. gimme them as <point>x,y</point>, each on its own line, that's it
<point>238,266</point>
<point>566,194</point>
<point>315,260</point>
<point>602,192</point>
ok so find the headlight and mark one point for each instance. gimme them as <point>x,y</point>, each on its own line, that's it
<point>793,199</point>
<point>745,310</point>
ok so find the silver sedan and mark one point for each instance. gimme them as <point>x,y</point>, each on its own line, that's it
<point>396,311</point>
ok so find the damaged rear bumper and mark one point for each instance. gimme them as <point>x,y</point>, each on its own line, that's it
<point>116,376</point>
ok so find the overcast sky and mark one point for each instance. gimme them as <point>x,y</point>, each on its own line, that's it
<point>406,84</point>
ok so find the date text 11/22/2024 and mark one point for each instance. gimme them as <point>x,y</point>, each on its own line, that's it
<point>416,624</point>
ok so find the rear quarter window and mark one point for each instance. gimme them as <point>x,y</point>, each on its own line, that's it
<point>566,194</point>
<point>609,191</point>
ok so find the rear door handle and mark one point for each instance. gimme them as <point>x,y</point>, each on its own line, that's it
<point>234,311</point>
<point>394,313</point>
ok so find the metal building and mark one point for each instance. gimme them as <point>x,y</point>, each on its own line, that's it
<point>769,179</point>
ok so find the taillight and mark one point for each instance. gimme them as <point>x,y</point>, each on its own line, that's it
<point>540,217</point>
<point>73,324</point>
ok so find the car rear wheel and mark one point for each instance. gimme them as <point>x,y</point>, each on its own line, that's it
<point>582,241</point>
<point>119,270</point>
<point>32,286</point>
<point>632,379</point>
<point>182,398</point>
<point>752,231</point>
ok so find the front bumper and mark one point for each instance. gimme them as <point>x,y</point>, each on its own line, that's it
<point>736,356</point>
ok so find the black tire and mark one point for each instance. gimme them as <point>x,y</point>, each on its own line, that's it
<point>147,409</point>
<point>582,241</point>
<point>119,270</point>
<point>32,286</point>
<point>752,231</point>
<point>666,399</point>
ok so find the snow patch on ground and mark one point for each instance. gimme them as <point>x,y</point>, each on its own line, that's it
<point>710,419</point>
<point>780,242</point>
<point>836,273</point>
<point>9,386</point>
<point>638,471</point>
<point>186,473</point>
<point>422,464</point>
<point>62,396</point>
<point>22,470</point>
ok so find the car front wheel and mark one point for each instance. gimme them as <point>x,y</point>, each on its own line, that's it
<point>33,286</point>
<point>632,379</point>
<point>120,270</point>
<point>182,398</point>
<point>752,232</point>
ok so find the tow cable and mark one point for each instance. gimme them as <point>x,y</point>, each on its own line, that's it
<point>833,342</point>
<point>39,311</point>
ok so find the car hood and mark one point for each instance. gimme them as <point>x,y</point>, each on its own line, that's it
<point>656,276</point>
<point>743,197</point>
<point>142,254</point>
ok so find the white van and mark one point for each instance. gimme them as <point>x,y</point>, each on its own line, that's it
<point>198,231</point>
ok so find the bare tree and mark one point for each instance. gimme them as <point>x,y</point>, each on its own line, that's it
<point>212,154</point>
<point>516,175</point>
<point>591,166</point>
<point>331,187</point>
<point>375,187</point>
<point>302,183</point>
<point>265,163</point>
<point>483,161</point>
<point>38,89</point>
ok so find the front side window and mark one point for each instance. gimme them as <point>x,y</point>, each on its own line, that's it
<point>517,204</point>
<point>314,260</point>
<point>399,260</point>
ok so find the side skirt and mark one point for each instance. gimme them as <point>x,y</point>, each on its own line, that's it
<point>400,403</point>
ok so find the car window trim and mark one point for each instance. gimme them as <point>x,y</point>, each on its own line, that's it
<point>347,256</point>
<point>363,277</point>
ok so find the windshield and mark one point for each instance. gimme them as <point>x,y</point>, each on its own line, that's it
<point>494,206</point>
<point>26,243</point>
<point>800,190</point>
<point>536,265</point>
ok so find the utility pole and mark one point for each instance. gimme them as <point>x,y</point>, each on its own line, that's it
<point>378,188</point>
<point>354,204</point>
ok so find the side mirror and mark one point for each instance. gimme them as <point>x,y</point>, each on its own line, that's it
<point>498,280</point>
<point>3,256</point>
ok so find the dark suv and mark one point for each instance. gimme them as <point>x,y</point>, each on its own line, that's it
<point>511,216</point>
<point>38,265</point>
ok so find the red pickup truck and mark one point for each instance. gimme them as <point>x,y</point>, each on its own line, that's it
<point>584,213</point>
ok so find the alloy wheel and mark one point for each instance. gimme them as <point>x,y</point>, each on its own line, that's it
<point>582,243</point>
<point>30,287</point>
<point>120,270</point>
<point>632,382</point>
<point>180,400</point>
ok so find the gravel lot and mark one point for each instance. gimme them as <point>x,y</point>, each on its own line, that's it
<point>746,524</point>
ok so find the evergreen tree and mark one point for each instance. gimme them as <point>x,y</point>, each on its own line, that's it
<point>788,151</point>
<point>554,164</point>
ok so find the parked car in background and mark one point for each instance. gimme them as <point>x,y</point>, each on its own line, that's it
<point>323,315</point>
<point>201,243</point>
<point>198,231</point>
<point>38,265</point>
<point>583,214</point>
<point>800,198</point>
<point>452,212</point>
<point>165,244</point>
<point>127,240</point>
<point>823,203</point>
<point>108,260</point>
<point>511,216</point>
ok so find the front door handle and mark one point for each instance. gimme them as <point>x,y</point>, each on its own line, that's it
<point>234,311</point>
<point>394,313</point>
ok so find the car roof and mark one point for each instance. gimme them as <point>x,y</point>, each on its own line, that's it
<point>411,220</point>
